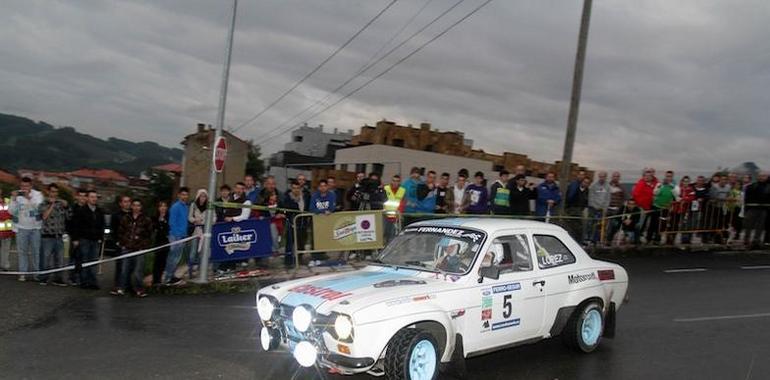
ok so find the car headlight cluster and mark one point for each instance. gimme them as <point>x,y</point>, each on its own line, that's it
<point>343,327</point>
<point>265,308</point>
<point>302,317</point>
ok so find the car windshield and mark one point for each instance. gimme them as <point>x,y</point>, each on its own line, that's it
<point>438,249</point>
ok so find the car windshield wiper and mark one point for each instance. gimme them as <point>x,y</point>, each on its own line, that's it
<point>421,265</point>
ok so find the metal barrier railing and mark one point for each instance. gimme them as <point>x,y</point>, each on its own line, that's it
<point>714,217</point>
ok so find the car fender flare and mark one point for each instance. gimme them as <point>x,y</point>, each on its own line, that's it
<point>437,323</point>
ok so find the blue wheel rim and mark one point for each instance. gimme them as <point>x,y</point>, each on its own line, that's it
<point>422,361</point>
<point>592,327</point>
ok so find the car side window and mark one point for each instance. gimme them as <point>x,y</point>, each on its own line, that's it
<point>510,254</point>
<point>551,252</point>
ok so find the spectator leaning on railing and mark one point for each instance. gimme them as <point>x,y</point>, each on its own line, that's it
<point>500,195</point>
<point>477,196</point>
<point>617,201</point>
<point>599,194</point>
<point>643,196</point>
<point>664,195</point>
<point>681,218</point>
<point>197,217</point>
<point>520,195</point>
<point>548,197</point>
<point>757,200</point>
<point>458,193</point>
<point>295,199</point>
<point>444,195</point>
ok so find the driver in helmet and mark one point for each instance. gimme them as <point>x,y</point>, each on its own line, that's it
<point>450,261</point>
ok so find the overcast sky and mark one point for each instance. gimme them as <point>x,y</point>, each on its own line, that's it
<point>674,84</point>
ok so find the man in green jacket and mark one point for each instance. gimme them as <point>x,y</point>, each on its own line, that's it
<point>664,195</point>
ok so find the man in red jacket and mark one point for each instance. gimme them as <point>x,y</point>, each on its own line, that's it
<point>642,193</point>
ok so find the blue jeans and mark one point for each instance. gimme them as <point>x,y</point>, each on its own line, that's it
<point>28,245</point>
<point>89,251</point>
<point>132,273</point>
<point>51,256</point>
<point>174,254</point>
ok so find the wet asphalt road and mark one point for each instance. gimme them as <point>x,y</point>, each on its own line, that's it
<point>711,324</point>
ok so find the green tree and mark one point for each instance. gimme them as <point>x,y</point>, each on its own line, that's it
<point>254,163</point>
<point>161,186</point>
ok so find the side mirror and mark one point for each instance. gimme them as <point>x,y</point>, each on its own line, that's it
<point>492,272</point>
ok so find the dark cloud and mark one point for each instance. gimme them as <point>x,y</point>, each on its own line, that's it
<point>669,84</point>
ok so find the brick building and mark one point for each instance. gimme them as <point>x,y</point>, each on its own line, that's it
<point>451,143</point>
<point>196,162</point>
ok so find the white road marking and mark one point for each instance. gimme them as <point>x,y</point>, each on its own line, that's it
<point>752,267</point>
<point>723,317</point>
<point>685,270</point>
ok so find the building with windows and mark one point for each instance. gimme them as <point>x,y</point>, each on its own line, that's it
<point>308,149</point>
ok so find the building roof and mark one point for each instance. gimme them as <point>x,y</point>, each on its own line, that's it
<point>171,167</point>
<point>486,224</point>
<point>102,174</point>
<point>6,177</point>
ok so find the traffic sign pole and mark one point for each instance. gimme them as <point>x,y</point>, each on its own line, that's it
<point>203,271</point>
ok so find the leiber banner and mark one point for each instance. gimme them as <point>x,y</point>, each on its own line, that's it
<point>241,240</point>
<point>348,231</point>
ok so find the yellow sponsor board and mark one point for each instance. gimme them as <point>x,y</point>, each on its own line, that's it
<point>346,231</point>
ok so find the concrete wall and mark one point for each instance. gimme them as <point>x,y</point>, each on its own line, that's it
<point>401,160</point>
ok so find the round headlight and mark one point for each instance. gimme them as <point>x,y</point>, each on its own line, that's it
<point>264,338</point>
<point>305,354</point>
<point>301,317</point>
<point>265,308</point>
<point>343,326</point>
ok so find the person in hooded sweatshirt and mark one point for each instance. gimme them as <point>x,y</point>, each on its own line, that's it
<point>197,218</point>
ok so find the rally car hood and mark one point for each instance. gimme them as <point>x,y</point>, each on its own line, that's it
<point>351,291</point>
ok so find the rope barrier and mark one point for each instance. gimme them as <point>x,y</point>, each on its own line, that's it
<point>97,262</point>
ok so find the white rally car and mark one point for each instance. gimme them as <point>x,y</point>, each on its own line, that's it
<point>443,291</point>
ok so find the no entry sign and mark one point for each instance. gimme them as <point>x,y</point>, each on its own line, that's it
<point>220,154</point>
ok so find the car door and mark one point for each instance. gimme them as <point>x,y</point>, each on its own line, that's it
<point>512,306</point>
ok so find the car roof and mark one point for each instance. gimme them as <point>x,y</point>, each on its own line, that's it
<point>487,224</point>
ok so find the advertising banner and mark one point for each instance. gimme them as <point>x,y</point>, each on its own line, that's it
<point>241,240</point>
<point>347,231</point>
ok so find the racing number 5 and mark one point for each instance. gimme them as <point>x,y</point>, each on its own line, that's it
<point>507,307</point>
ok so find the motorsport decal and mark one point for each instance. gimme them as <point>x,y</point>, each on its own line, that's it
<point>504,324</point>
<point>497,307</point>
<point>448,231</point>
<point>325,293</point>
<point>403,300</point>
<point>578,278</point>
<point>237,239</point>
<point>362,227</point>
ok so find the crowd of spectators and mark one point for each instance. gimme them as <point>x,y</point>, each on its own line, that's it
<point>718,209</point>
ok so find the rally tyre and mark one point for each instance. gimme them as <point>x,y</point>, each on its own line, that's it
<point>585,328</point>
<point>412,354</point>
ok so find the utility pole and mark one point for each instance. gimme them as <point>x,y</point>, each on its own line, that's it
<point>203,275</point>
<point>574,104</point>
